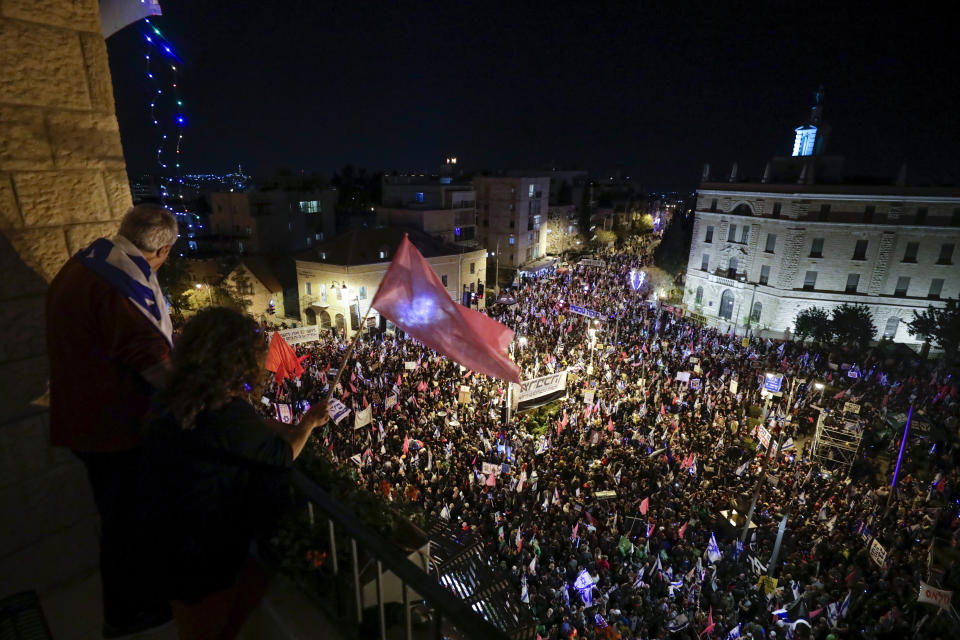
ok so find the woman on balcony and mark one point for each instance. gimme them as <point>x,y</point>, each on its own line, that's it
<point>215,474</point>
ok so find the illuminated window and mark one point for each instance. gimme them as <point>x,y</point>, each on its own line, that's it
<point>323,292</point>
<point>418,196</point>
<point>512,240</point>
<point>804,140</point>
<point>363,293</point>
<point>310,206</point>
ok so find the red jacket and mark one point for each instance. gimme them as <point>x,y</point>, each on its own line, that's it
<point>98,343</point>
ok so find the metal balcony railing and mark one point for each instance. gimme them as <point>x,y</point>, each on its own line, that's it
<point>359,559</point>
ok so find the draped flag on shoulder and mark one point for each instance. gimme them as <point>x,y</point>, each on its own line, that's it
<point>282,359</point>
<point>413,298</point>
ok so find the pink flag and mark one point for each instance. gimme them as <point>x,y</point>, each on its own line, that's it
<point>683,530</point>
<point>491,480</point>
<point>576,528</point>
<point>610,424</point>
<point>710,624</point>
<point>644,506</point>
<point>413,298</point>
<point>406,444</point>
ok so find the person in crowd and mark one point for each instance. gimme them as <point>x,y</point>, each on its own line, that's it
<point>674,450</point>
<point>108,340</point>
<point>215,474</point>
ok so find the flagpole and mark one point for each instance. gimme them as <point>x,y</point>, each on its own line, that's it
<point>346,356</point>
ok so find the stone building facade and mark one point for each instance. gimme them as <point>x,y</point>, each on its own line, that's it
<point>63,183</point>
<point>762,252</point>
<point>337,283</point>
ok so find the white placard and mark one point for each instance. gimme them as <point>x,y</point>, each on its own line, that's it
<point>733,386</point>
<point>363,417</point>
<point>309,333</point>
<point>683,376</point>
<point>877,553</point>
<point>490,468</point>
<point>410,365</point>
<point>939,597</point>
<point>391,401</point>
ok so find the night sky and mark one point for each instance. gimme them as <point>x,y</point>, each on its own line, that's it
<point>654,91</point>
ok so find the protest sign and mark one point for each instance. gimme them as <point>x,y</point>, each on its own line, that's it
<point>363,417</point>
<point>939,597</point>
<point>877,553</point>
<point>539,391</point>
<point>410,365</point>
<point>309,333</point>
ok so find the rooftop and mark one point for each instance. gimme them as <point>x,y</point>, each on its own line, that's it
<point>363,246</point>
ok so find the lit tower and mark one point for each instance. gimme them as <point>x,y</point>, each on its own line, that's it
<point>810,136</point>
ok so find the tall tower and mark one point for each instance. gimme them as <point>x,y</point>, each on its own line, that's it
<point>810,136</point>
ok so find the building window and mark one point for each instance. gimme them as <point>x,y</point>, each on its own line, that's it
<point>473,267</point>
<point>824,211</point>
<point>323,255</point>
<point>418,197</point>
<point>936,286</point>
<point>890,330</point>
<point>339,292</point>
<point>699,298</point>
<point>310,206</point>
<point>443,279</point>
<point>816,248</point>
<point>744,234</point>
<point>955,218</point>
<point>946,254</point>
<point>868,213</point>
<point>705,262</point>
<point>512,240</point>
<point>910,254</point>
<point>308,289</point>
<point>810,281</point>
<point>757,310</point>
<point>732,233</point>
<point>903,283</point>
<point>713,205</point>
<point>708,238</point>
<point>765,274</point>
<point>383,255</point>
<point>771,242</point>
<point>323,292</point>
<point>726,305</point>
<point>531,189</point>
<point>853,281</point>
<point>363,293</point>
<point>777,207</point>
<point>922,215</point>
<point>860,251</point>
<point>732,268</point>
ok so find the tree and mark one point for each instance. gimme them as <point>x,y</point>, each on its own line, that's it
<point>645,223</point>
<point>603,237</point>
<point>852,325</point>
<point>177,283</point>
<point>813,322</point>
<point>673,252</point>
<point>940,326</point>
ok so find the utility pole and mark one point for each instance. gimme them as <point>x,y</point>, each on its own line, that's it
<point>496,274</point>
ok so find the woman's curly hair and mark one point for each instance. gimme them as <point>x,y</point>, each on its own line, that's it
<point>218,355</point>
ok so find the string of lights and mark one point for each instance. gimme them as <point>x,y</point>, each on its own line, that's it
<point>166,114</point>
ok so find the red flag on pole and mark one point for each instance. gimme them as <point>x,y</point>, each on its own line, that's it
<point>710,625</point>
<point>644,506</point>
<point>413,298</point>
<point>282,359</point>
<point>683,530</point>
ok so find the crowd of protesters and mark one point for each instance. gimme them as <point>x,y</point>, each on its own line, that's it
<point>604,520</point>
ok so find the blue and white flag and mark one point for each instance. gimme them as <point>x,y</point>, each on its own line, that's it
<point>845,606</point>
<point>657,567</point>
<point>122,264</point>
<point>524,594</point>
<point>832,614</point>
<point>639,580</point>
<point>713,551</point>
<point>781,349</point>
<point>734,633</point>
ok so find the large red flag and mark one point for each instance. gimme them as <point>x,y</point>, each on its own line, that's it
<point>282,359</point>
<point>413,298</point>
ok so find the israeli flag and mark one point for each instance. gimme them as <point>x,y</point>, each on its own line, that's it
<point>845,606</point>
<point>734,633</point>
<point>524,594</point>
<point>713,550</point>
<point>832,614</point>
<point>639,580</point>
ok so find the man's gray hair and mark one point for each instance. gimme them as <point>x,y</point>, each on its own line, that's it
<point>149,226</point>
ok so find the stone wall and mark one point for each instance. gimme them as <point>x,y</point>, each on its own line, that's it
<point>63,183</point>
